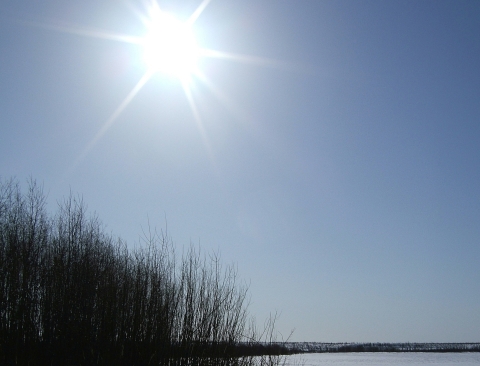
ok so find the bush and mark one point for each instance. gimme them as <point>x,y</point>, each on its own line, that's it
<point>71,294</point>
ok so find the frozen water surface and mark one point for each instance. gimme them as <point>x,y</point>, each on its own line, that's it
<point>384,359</point>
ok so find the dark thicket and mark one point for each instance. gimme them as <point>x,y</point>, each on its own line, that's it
<point>72,295</point>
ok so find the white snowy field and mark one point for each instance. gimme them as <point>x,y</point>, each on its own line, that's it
<point>384,359</point>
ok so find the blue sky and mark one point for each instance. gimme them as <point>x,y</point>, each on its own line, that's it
<point>343,180</point>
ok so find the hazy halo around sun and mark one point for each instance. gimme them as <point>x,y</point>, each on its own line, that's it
<point>170,46</point>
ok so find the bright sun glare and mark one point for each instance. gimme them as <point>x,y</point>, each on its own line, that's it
<point>170,46</point>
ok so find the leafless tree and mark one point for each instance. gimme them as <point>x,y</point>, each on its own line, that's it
<point>71,294</point>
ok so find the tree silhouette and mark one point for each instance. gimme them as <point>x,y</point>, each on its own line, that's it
<point>71,294</point>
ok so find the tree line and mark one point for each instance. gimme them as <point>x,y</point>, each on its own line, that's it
<point>71,294</point>
<point>319,347</point>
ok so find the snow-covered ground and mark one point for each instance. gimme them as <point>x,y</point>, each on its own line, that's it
<point>384,359</point>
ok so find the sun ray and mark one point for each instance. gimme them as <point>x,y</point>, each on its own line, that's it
<point>110,121</point>
<point>239,57</point>
<point>253,60</point>
<point>88,32</point>
<point>201,128</point>
<point>198,11</point>
<point>232,107</point>
<point>169,47</point>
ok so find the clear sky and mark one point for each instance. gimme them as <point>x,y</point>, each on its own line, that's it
<point>340,169</point>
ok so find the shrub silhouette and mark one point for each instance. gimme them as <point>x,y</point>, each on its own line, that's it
<point>71,294</point>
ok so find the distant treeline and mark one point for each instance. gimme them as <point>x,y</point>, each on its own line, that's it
<point>317,347</point>
<point>71,294</point>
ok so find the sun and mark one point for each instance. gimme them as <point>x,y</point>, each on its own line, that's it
<point>170,46</point>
